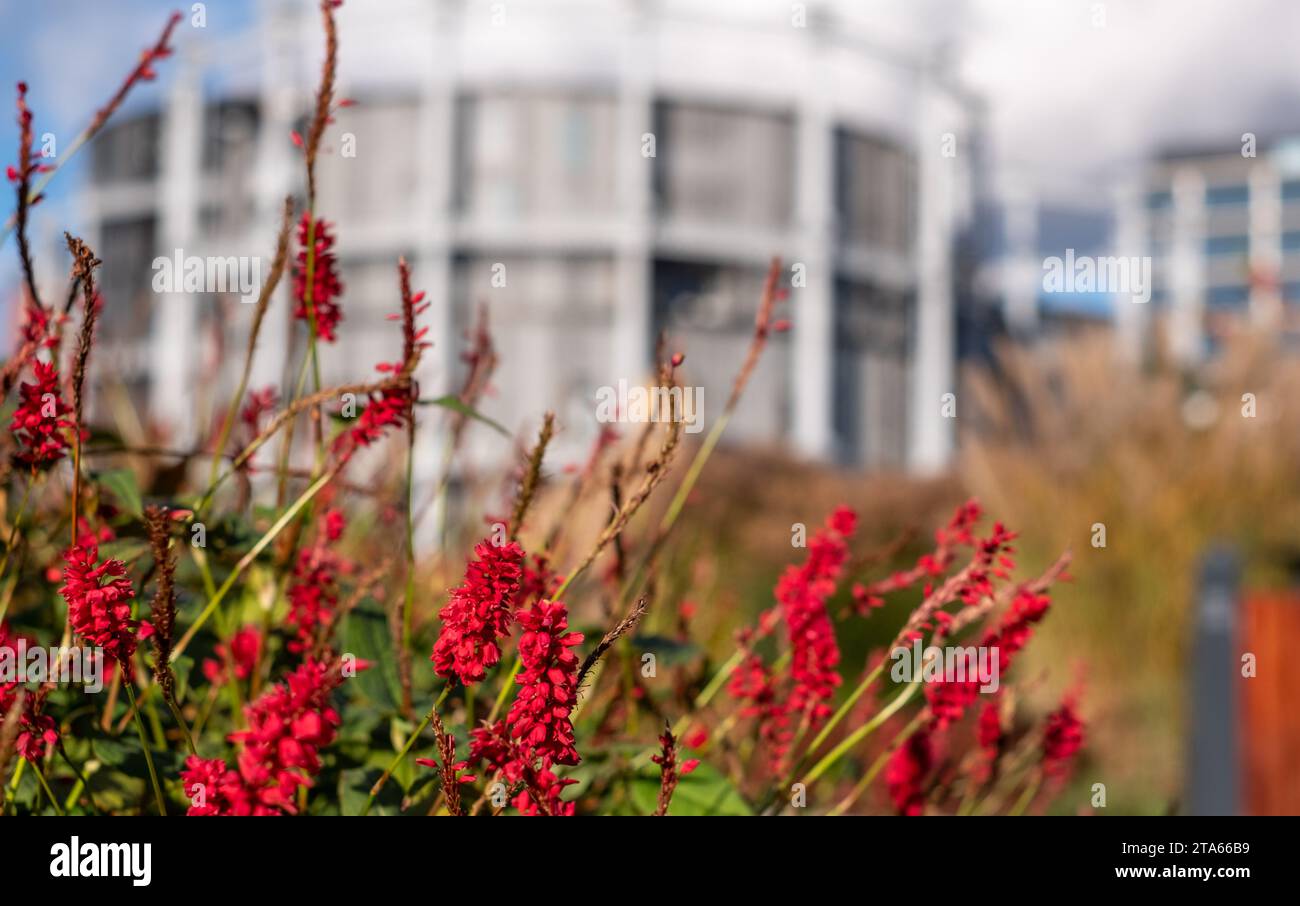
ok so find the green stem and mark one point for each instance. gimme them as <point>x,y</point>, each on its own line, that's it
<point>842,711</point>
<point>13,532</point>
<point>40,775</point>
<point>144,744</point>
<point>405,750</point>
<point>706,695</point>
<point>861,733</point>
<point>82,784</point>
<point>1031,789</point>
<point>677,504</point>
<point>180,722</point>
<point>248,559</point>
<point>506,686</point>
<point>876,766</point>
<point>408,602</point>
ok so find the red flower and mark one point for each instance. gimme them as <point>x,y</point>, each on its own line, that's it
<point>493,744</point>
<point>99,603</point>
<point>906,771</point>
<point>40,419</point>
<point>8,689</point>
<point>801,594</point>
<point>259,403</point>
<point>949,699</point>
<point>213,788</point>
<point>313,592</point>
<point>326,287</point>
<point>287,727</point>
<point>989,731</point>
<point>539,717</point>
<point>539,580</point>
<point>753,684</point>
<point>389,408</point>
<point>958,532</point>
<point>1062,739</point>
<point>245,650</point>
<point>36,730</point>
<point>479,613</point>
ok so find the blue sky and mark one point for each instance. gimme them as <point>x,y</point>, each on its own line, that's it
<point>73,54</point>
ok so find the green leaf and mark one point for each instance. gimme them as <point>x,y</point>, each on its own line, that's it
<point>455,404</point>
<point>122,483</point>
<point>704,791</point>
<point>354,790</point>
<point>366,635</point>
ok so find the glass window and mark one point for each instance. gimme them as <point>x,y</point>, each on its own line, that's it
<point>874,192</point>
<point>720,165</point>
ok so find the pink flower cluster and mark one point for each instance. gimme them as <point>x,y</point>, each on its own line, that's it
<point>313,590</point>
<point>479,613</point>
<point>906,771</point>
<point>36,731</point>
<point>243,653</point>
<point>287,727</point>
<point>801,593</point>
<point>325,284</point>
<point>959,532</point>
<point>541,788</point>
<point>99,603</point>
<point>539,717</point>
<point>537,733</point>
<point>949,699</point>
<point>1062,739</point>
<point>39,422</point>
<point>388,409</point>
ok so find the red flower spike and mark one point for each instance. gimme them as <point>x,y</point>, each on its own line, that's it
<point>479,613</point>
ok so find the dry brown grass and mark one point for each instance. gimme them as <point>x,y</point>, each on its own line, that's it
<point>1069,436</point>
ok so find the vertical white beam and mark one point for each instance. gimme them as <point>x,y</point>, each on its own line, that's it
<point>634,172</point>
<point>1187,268</point>
<point>174,334</point>
<point>812,307</point>
<point>278,174</point>
<point>939,186</point>
<point>431,268</point>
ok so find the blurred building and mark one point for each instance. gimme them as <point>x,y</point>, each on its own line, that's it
<point>1222,227</point>
<point>627,166</point>
<point>1020,225</point>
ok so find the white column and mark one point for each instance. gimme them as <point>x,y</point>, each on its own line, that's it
<point>940,183</point>
<point>1130,241</point>
<point>634,173</point>
<point>431,267</point>
<point>812,306</point>
<point>1187,268</point>
<point>174,336</point>
<point>1265,233</point>
<point>279,173</point>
